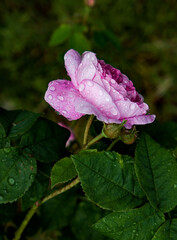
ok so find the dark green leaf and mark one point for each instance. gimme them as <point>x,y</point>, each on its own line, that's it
<point>136,224</point>
<point>17,122</point>
<point>168,231</point>
<point>63,171</point>
<point>108,179</point>
<point>36,191</point>
<point>16,175</point>
<point>79,42</point>
<point>156,169</point>
<point>56,213</point>
<point>46,140</point>
<point>86,214</point>
<point>60,35</point>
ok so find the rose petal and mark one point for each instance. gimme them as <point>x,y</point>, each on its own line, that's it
<point>87,68</point>
<point>61,95</point>
<point>72,60</point>
<point>139,120</point>
<point>130,109</point>
<point>98,97</point>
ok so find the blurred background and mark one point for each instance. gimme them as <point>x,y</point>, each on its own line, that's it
<point>138,37</point>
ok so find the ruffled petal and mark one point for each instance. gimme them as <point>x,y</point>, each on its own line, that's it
<point>72,60</point>
<point>139,120</point>
<point>130,109</point>
<point>87,68</point>
<point>62,95</point>
<point>99,98</point>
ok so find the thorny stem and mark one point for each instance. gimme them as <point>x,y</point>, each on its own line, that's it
<point>113,144</point>
<point>87,128</point>
<point>34,208</point>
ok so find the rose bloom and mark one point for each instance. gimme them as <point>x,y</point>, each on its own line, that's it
<point>97,88</point>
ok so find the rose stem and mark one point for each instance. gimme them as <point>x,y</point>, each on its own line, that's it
<point>94,140</point>
<point>87,128</point>
<point>113,144</point>
<point>34,208</point>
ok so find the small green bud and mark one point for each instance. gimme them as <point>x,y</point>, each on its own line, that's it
<point>128,136</point>
<point>112,130</point>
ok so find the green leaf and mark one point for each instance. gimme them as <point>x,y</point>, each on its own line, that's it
<point>85,216</point>
<point>108,179</point>
<point>63,171</point>
<point>17,122</point>
<point>79,42</point>
<point>16,175</point>
<point>60,35</point>
<point>168,231</point>
<point>57,212</point>
<point>136,224</point>
<point>156,169</point>
<point>164,133</point>
<point>36,191</point>
<point>46,140</point>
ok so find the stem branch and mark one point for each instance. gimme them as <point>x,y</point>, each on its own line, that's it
<point>87,128</point>
<point>37,204</point>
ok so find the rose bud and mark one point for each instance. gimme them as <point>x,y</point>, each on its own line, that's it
<point>112,130</point>
<point>128,136</point>
<point>97,88</point>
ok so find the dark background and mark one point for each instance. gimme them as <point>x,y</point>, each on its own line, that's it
<point>138,37</point>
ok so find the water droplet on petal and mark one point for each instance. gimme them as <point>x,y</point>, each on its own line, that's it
<point>50,97</point>
<point>61,98</point>
<point>114,111</point>
<point>11,181</point>
<point>65,57</point>
<point>90,84</point>
<point>81,87</point>
<point>107,99</point>
<point>100,93</point>
<point>52,88</point>
<point>132,106</point>
<point>113,81</point>
<point>64,112</point>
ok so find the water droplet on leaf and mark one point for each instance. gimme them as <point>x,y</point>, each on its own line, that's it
<point>11,181</point>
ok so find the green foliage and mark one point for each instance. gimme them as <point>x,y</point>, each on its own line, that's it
<point>17,122</point>
<point>17,173</point>
<point>108,179</point>
<point>57,212</point>
<point>44,141</point>
<point>60,34</point>
<point>85,216</point>
<point>62,171</point>
<point>167,231</point>
<point>137,224</point>
<point>23,135</point>
<point>156,169</point>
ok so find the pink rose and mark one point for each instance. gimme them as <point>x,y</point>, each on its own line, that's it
<point>97,88</point>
